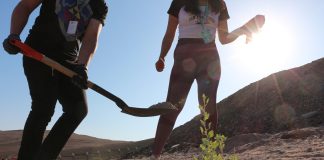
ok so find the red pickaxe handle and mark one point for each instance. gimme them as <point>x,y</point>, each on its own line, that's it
<point>30,52</point>
<point>161,108</point>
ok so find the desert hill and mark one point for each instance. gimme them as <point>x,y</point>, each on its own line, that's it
<point>279,116</point>
<point>286,100</point>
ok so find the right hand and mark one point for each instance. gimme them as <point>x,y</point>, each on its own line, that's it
<point>11,49</point>
<point>159,65</point>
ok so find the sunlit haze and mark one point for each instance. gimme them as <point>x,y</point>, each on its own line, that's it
<point>269,50</point>
<point>129,46</point>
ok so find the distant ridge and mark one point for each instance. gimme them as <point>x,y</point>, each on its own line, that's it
<point>10,142</point>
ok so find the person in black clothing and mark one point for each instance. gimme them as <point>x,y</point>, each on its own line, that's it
<point>66,31</point>
<point>195,58</point>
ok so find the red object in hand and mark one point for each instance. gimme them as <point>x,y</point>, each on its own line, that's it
<point>159,65</point>
<point>26,50</point>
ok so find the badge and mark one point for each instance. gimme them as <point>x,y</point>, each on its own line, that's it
<point>73,25</point>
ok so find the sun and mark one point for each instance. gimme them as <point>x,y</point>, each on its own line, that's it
<point>269,50</point>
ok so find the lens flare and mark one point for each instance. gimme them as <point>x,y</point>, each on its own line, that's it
<point>269,51</point>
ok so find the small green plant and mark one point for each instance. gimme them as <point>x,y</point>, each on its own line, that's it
<point>212,144</point>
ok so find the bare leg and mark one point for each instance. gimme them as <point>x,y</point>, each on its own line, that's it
<point>179,87</point>
<point>207,82</point>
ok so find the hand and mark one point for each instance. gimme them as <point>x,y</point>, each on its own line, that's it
<point>159,65</point>
<point>11,49</point>
<point>81,79</point>
<point>253,26</point>
<point>245,31</point>
<point>248,34</point>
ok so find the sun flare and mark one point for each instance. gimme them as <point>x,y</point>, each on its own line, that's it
<point>268,51</point>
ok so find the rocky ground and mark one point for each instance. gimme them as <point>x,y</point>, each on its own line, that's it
<point>300,144</point>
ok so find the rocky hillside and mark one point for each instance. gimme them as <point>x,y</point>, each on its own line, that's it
<point>283,101</point>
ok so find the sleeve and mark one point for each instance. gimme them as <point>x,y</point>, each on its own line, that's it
<point>224,12</point>
<point>175,7</point>
<point>99,9</point>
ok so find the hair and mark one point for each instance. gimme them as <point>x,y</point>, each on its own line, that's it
<point>192,6</point>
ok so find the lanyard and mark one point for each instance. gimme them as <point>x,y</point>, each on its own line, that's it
<point>205,32</point>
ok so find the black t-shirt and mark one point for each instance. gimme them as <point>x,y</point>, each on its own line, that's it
<point>176,6</point>
<point>60,26</point>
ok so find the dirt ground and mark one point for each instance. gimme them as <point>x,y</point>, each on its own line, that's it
<point>301,144</point>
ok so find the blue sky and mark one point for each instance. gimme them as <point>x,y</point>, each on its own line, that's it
<point>129,46</point>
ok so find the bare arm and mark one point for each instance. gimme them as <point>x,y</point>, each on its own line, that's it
<point>225,37</point>
<point>21,14</point>
<point>89,42</point>
<point>169,36</point>
<point>167,41</point>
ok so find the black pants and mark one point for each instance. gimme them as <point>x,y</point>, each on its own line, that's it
<point>46,87</point>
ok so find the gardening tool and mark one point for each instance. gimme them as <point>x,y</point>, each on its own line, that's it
<point>154,110</point>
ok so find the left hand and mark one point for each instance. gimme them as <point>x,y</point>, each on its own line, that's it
<point>249,36</point>
<point>253,26</point>
<point>81,79</point>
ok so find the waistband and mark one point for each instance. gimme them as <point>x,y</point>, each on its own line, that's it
<point>193,41</point>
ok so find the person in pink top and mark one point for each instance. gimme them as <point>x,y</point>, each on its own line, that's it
<point>195,58</point>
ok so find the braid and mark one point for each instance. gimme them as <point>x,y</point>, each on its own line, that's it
<point>192,6</point>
